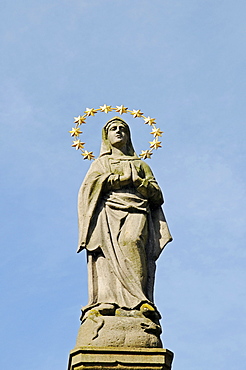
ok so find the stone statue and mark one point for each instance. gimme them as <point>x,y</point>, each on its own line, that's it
<point>123,229</point>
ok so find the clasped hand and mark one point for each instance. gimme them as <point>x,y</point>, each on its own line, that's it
<point>130,175</point>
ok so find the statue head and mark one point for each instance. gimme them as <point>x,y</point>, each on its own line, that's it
<point>116,133</point>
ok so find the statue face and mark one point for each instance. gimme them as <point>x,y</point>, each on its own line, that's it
<point>117,134</point>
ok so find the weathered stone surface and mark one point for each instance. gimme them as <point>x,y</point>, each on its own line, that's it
<point>124,230</point>
<point>86,358</point>
<point>114,331</point>
<point>121,223</point>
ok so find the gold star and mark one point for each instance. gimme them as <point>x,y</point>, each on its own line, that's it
<point>155,144</point>
<point>156,132</point>
<point>90,112</point>
<point>145,154</point>
<point>88,155</point>
<point>106,108</point>
<point>75,131</point>
<point>121,109</point>
<point>77,144</point>
<point>149,121</point>
<point>79,120</point>
<point>136,113</point>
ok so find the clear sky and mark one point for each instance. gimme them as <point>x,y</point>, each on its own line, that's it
<point>181,62</point>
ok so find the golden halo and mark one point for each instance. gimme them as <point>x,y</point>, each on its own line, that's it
<point>79,145</point>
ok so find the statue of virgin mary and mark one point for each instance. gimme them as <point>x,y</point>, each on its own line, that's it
<point>121,224</point>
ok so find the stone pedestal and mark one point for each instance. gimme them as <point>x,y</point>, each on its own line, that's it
<point>114,331</point>
<point>110,358</point>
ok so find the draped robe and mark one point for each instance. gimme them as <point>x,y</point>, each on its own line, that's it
<point>124,231</point>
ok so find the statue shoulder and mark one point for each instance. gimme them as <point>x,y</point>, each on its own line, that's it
<point>99,164</point>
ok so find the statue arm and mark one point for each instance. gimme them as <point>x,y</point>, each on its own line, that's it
<point>117,181</point>
<point>113,183</point>
<point>88,198</point>
<point>147,186</point>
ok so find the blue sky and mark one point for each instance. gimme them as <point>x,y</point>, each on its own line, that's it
<point>182,62</point>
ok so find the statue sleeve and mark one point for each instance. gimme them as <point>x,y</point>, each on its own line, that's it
<point>112,183</point>
<point>89,196</point>
<point>149,188</point>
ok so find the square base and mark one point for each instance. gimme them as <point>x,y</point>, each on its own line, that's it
<point>110,358</point>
